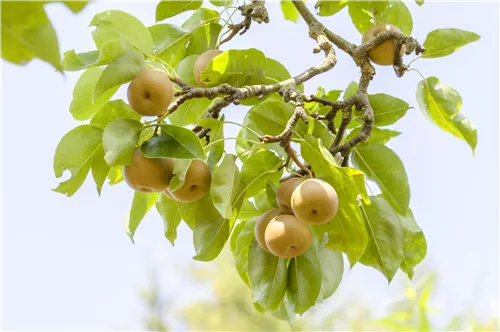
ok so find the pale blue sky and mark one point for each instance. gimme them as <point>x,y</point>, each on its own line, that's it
<point>68,264</point>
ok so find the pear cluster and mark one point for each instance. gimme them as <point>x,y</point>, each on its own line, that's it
<point>383,54</point>
<point>286,231</point>
<point>150,93</point>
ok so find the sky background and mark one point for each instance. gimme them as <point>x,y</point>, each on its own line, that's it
<point>68,264</point>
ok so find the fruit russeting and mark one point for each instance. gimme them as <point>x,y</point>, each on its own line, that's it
<point>384,53</point>
<point>148,174</point>
<point>315,202</point>
<point>261,225</point>
<point>150,93</point>
<point>196,184</point>
<point>287,237</point>
<point>284,194</point>
<point>200,64</point>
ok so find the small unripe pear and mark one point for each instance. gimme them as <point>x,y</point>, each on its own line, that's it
<point>284,194</point>
<point>382,54</point>
<point>315,202</point>
<point>287,237</point>
<point>261,225</point>
<point>201,63</point>
<point>150,93</point>
<point>196,184</point>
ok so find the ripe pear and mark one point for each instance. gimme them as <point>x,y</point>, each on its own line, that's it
<point>148,174</point>
<point>315,202</point>
<point>150,92</point>
<point>261,224</point>
<point>201,63</point>
<point>287,237</point>
<point>196,184</point>
<point>284,194</point>
<point>382,54</point>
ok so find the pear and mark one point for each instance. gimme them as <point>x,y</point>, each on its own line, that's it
<point>284,194</point>
<point>382,54</point>
<point>200,64</point>
<point>287,237</point>
<point>150,93</point>
<point>196,184</point>
<point>148,174</point>
<point>315,202</point>
<point>261,224</point>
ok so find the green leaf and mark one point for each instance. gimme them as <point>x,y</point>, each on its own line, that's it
<point>185,70</point>
<point>141,204</point>
<point>190,112</point>
<point>268,277</point>
<point>119,140</point>
<point>332,95</point>
<point>385,246</point>
<point>441,105</point>
<point>332,269</point>
<point>188,212</point>
<point>258,170</point>
<point>271,116</point>
<point>166,9</point>
<point>27,34</point>
<point>378,135</point>
<point>200,15</point>
<point>419,2</point>
<point>398,15</point>
<point>351,90</point>
<point>100,169</point>
<point>126,26</point>
<point>365,14</point>
<point>270,191</point>
<point>242,246</point>
<point>115,175</point>
<point>76,6</point>
<point>114,110</point>
<point>236,68</point>
<point>102,35</point>
<point>122,70</point>
<point>381,165</point>
<point>304,281</point>
<point>347,230</point>
<point>181,167</point>
<point>204,38</point>
<point>289,11</point>
<point>320,130</point>
<point>443,42</point>
<point>171,215</point>
<point>211,231</point>
<point>75,152</point>
<point>84,106</point>
<point>222,3</point>
<point>216,133</point>
<point>174,142</point>
<point>328,7</point>
<point>169,42</point>
<point>225,182</point>
<point>74,62</point>
<point>414,244</point>
<point>387,109</point>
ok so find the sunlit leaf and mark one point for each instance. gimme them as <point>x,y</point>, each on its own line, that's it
<point>443,42</point>
<point>100,169</point>
<point>332,269</point>
<point>166,9</point>
<point>225,181</point>
<point>289,11</point>
<point>114,110</point>
<point>329,7</point>
<point>141,204</point>
<point>258,170</point>
<point>119,140</point>
<point>171,215</point>
<point>414,244</point>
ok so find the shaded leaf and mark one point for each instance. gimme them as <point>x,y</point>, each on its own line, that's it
<point>113,110</point>
<point>141,204</point>
<point>171,215</point>
<point>119,140</point>
<point>414,244</point>
<point>181,167</point>
<point>174,142</point>
<point>443,42</point>
<point>100,35</point>
<point>185,70</point>
<point>381,165</point>
<point>75,152</point>
<point>169,42</point>
<point>100,169</point>
<point>441,105</point>
<point>258,170</point>
<point>387,109</point>
<point>190,112</point>
<point>378,135</point>
<point>332,270</point>
<point>267,275</point>
<point>242,246</point>
<point>204,38</point>
<point>385,246</point>
<point>224,184</point>
<point>166,9</point>
<point>200,15</point>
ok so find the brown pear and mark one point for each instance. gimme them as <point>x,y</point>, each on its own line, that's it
<point>315,202</point>
<point>150,92</point>
<point>261,224</point>
<point>287,237</point>
<point>284,194</point>
<point>148,174</point>
<point>382,54</point>
<point>196,184</point>
<point>201,63</point>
